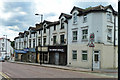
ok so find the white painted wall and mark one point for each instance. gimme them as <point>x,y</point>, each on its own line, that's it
<point>9,48</point>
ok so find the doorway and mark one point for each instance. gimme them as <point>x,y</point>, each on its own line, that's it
<point>96,60</point>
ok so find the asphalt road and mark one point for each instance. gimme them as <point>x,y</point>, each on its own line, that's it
<point>14,70</point>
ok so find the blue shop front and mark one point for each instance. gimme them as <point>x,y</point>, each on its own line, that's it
<point>31,55</point>
<point>20,55</point>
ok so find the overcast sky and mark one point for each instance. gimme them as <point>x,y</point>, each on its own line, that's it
<point>17,16</point>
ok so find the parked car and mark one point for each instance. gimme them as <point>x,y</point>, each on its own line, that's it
<point>2,59</point>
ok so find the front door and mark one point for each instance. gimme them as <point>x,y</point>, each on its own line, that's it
<point>96,60</point>
<point>56,58</point>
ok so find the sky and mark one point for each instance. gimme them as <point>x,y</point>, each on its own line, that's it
<point>17,16</point>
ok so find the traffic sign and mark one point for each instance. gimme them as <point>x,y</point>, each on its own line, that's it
<point>91,40</point>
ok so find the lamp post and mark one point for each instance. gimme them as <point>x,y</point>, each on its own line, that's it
<point>41,15</point>
<point>6,45</point>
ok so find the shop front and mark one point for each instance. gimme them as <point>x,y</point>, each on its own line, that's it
<point>42,55</point>
<point>20,55</point>
<point>31,55</point>
<point>58,55</point>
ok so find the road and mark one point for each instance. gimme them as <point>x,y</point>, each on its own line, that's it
<point>14,70</point>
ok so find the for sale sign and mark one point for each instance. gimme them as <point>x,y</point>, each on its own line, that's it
<point>91,42</point>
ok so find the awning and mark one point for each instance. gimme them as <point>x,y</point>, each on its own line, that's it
<point>20,51</point>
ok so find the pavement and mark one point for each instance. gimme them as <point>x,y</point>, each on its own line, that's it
<point>108,72</point>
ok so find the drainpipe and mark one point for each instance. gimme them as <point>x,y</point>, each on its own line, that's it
<point>67,43</point>
<point>36,48</point>
<point>114,42</point>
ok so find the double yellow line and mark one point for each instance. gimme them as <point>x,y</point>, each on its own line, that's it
<point>5,76</point>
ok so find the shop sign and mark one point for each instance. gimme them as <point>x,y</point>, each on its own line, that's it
<point>56,50</point>
<point>20,51</point>
<point>26,49</point>
<point>43,49</point>
<point>31,49</point>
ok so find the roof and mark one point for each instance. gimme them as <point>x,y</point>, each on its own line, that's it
<point>47,22</point>
<point>16,38</point>
<point>76,8</point>
<point>39,26</point>
<point>54,23</point>
<point>65,15</point>
<point>32,28</point>
<point>92,9</point>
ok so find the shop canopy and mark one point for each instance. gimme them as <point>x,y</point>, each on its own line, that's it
<point>20,51</point>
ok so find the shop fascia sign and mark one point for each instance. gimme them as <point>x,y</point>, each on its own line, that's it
<point>26,49</point>
<point>42,48</point>
<point>31,49</point>
<point>20,51</point>
<point>57,50</point>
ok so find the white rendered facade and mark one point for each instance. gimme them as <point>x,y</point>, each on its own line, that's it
<point>3,48</point>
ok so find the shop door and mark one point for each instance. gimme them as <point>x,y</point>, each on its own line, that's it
<point>56,58</point>
<point>96,60</point>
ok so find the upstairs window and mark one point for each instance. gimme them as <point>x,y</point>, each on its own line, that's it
<point>44,41</point>
<point>85,34</point>
<point>30,43</point>
<point>62,39</point>
<point>109,35</point>
<point>33,43</point>
<point>62,23</point>
<point>75,18</point>
<point>39,31</point>
<point>109,17</point>
<point>74,35</point>
<point>38,41</point>
<point>84,18</point>
<point>54,27</point>
<point>44,30</point>
<point>54,39</point>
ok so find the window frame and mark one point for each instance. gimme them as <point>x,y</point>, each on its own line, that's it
<point>84,18</point>
<point>54,39</point>
<point>83,35</point>
<point>74,36</point>
<point>62,23</point>
<point>109,18</point>
<point>44,41</point>
<point>74,52</point>
<point>75,18</point>
<point>85,52</point>
<point>109,33</point>
<point>61,39</point>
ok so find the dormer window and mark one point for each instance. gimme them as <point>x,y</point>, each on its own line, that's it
<point>62,23</point>
<point>54,27</point>
<point>75,18</point>
<point>109,17</point>
<point>44,29</point>
<point>84,18</point>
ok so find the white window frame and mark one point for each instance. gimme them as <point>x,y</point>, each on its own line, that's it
<point>109,16</point>
<point>74,36</point>
<point>83,34</point>
<point>73,52</point>
<point>84,53</point>
<point>109,34</point>
<point>75,18</point>
<point>84,18</point>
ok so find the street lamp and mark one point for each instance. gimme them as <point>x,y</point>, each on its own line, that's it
<point>6,45</point>
<point>40,15</point>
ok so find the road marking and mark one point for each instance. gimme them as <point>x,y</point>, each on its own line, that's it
<point>5,76</point>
